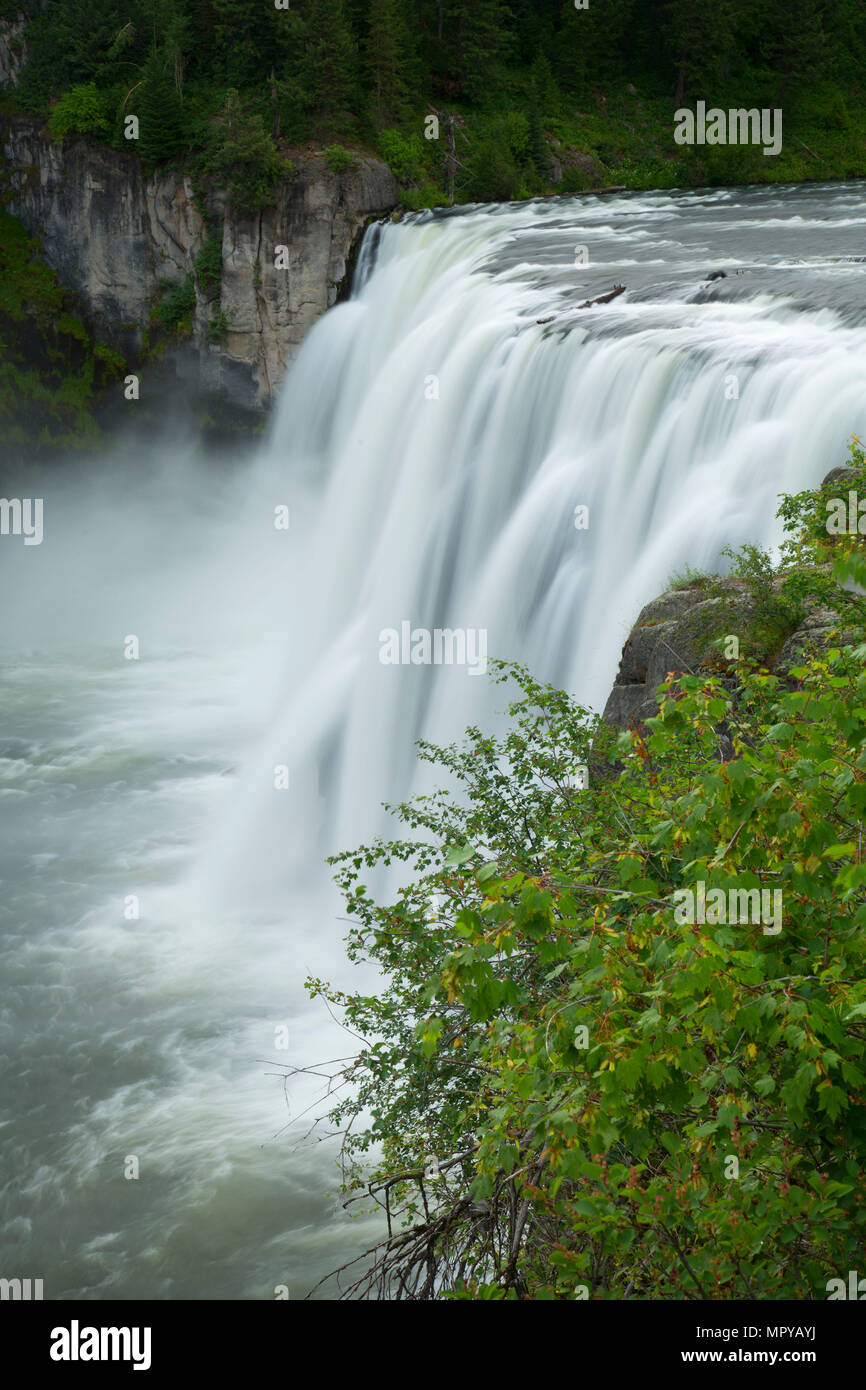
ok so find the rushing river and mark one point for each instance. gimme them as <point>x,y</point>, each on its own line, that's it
<point>162,898</point>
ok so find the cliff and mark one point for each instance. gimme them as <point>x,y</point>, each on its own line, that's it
<point>119,239</point>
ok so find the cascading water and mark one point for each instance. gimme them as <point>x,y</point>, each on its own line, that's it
<point>432,442</point>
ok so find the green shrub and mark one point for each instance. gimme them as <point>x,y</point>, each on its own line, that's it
<point>209,264</point>
<point>495,174</point>
<point>404,155</point>
<point>174,313</point>
<point>772,613</point>
<point>688,578</point>
<point>339,159</point>
<point>581,1086</point>
<point>218,327</point>
<point>83,110</point>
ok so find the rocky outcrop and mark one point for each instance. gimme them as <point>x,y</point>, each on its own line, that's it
<point>117,238</point>
<point>285,267</point>
<point>666,638</point>
<point>13,50</point>
<point>669,637</point>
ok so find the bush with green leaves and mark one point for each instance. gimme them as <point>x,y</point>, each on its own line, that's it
<point>83,110</point>
<point>339,159</point>
<point>175,311</point>
<point>404,155</point>
<point>566,1091</point>
<point>771,614</point>
<point>209,264</point>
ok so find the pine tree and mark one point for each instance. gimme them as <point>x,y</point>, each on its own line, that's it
<point>700,36</point>
<point>330,62</point>
<point>85,34</point>
<point>248,39</point>
<point>160,113</point>
<point>481,31</point>
<point>390,60</point>
<point>537,144</point>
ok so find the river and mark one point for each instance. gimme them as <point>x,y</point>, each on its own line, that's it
<point>163,893</point>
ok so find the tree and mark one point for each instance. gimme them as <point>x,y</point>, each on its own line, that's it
<point>157,104</point>
<point>794,44</point>
<point>86,35</point>
<point>700,39</point>
<point>248,40</point>
<point>479,28</point>
<point>541,86</point>
<point>390,60</point>
<point>330,63</point>
<point>243,157</point>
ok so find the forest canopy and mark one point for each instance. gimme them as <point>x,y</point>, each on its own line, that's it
<point>520,79</point>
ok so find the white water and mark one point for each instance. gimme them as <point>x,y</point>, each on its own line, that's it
<point>261,648</point>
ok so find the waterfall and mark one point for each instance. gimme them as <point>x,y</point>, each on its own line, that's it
<point>439,429</point>
<point>432,442</point>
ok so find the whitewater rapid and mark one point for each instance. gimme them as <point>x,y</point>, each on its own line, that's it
<point>431,444</point>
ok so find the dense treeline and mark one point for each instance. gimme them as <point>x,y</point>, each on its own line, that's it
<point>514,74</point>
<point>367,60</point>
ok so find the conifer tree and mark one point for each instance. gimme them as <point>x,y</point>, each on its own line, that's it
<point>481,32</point>
<point>390,60</point>
<point>160,113</point>
<point>330,62</point>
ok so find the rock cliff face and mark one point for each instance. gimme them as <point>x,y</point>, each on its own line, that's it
<point>116,237</point>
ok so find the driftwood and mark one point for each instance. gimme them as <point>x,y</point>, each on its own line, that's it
<point>808,151</point>
<point>613,188</point>
<point>603,298</point>
<point>717,275</point>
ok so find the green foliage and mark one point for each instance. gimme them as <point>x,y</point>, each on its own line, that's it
<point>390,60</point>
<point>83,110</point>
<point>404,155</point>
<point>174,312</point>
<point>688,578</point>
<point>600,81</point>
<point>51,374</point>
<point>218,327</point>
<point>615,1096</point>
<point>156,102</point>
<point>771,613</point>
<point>209,264</point>
<point>242,157</point>
<point>496,176</point>
<point>331,65</point>
<point>339,159</point>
